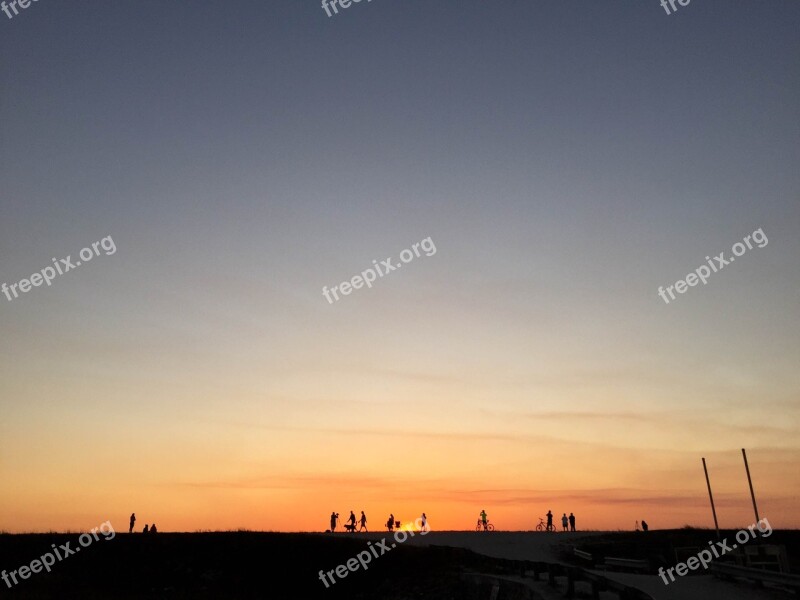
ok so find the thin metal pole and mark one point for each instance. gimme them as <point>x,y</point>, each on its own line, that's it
<point>711,497</point>
<point>750,481</point>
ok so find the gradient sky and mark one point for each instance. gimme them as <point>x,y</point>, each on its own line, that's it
<point>566,157</point>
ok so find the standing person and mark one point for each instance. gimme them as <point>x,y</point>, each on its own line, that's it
<point>571,522</point>
<point>390,523</point>
<point>637,525</point>
<point>483,518</point>
<point>363,522</point>
<point>549,521</point>
<point>133,521</point>
<point>424,520</point>
<point>334,516</point>
<point>564,521</point>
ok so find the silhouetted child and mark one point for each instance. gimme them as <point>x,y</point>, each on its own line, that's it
<point>564,521</point>
<point>153,529</point>
<point>146,529</point>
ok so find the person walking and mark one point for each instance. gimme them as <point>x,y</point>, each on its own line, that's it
<point>571,522</point>
<point>363,522</point>
<point>424,522</point>
<point>564,522</point>
<point>133,522</point>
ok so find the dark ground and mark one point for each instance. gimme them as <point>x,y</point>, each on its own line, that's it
<point>234,565</point>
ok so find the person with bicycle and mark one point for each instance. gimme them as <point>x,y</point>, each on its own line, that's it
<point>550,521</point>
<point>483,518</point>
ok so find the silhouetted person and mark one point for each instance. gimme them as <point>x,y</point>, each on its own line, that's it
<point>549,520</point>
<point>390,523</point>
<point>133,522</point>
<point>483,516</point>
<point>644,525</point>
<point>334,516</point>
<point>153,529</point>
<point>363,522</point>
<point>571,522</point>
<point>564,521</point>
<point>146,529</point>
<point>637,525</point>
<point>424,521</point>
<point>353,520</point>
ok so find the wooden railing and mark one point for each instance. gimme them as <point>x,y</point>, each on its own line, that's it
<point>598,583</point>
<point>760,576</point>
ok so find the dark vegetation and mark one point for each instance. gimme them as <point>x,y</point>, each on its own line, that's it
<point>237,565</point>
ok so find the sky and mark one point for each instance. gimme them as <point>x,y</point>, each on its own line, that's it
<point>565,160</point>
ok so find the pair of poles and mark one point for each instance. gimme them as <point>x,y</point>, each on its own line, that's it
<point>711,496</point>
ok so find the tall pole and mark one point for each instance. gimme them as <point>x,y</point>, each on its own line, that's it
<point>711,497</point>
<point>750,481</point>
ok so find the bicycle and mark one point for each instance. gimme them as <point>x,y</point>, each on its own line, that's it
<point>487,527</point>
<point>542,526</point>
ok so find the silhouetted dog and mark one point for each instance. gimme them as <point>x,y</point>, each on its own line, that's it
<point>350,528</point>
